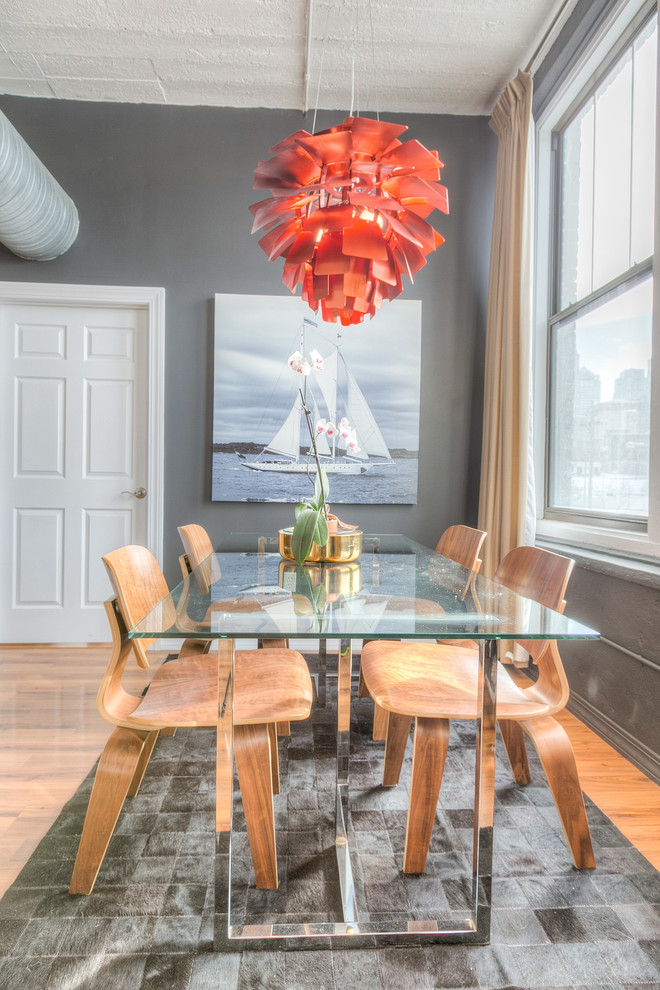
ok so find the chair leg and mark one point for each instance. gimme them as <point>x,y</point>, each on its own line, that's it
<point>363,690</point>
<point>396,739</point>
<point>429,754</point>
<point>558,759</point>
<point>379,733</point>
<point>143,762</point>
<point>114,775</point>
<point>284,728</point>
<point>169,731</point>
<point>253,762</point>
<point>513,738</point>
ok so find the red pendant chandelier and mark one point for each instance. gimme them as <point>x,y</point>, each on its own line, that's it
<point>347,213</point>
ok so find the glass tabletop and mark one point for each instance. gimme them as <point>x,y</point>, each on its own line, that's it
<point>397,589</point>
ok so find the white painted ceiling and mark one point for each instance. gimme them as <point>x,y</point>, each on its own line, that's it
<point>424,56</point>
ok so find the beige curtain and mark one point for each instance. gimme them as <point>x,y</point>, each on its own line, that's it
<point>506,472</point>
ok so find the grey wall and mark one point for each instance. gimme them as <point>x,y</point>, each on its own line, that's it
<point>163,196</point>
<point>615,683</point>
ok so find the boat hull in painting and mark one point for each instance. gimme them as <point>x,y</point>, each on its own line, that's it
<point>291,467</point>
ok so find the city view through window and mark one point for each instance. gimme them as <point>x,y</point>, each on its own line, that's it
<point>601,367</point>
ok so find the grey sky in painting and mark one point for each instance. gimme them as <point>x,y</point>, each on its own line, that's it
<point>255,388</point>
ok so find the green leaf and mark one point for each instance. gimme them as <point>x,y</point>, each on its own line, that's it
<point>303,533</point>
<point>303,583</point>
<point>326,484</point>
<point>318,490</point>
<point>321,487</point>
<point>301,506</point>
<point>319,597</point>
<point>321,530</point>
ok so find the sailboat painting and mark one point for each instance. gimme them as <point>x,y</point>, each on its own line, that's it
<point>360,386</point>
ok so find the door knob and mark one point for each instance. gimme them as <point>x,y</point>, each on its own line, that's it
<point>139,492</point>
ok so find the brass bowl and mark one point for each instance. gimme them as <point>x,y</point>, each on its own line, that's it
<point>338,579</point>
<point>342,548</point>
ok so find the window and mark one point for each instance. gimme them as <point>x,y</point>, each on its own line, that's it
<point>597,329</point>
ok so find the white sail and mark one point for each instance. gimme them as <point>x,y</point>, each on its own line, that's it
<point>326,379</point>
<point>370,439</point>
<point>322,445</point>
<point>287,439</point>
<point>292,439</point>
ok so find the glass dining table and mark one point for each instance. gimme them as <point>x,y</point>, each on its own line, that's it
<point>247,592</point>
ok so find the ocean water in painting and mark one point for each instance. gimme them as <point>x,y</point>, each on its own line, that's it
<point>396,485</point>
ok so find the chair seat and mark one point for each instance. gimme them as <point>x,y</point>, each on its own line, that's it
<point>431,681</point>
<point>184,692</point>
<point>415,606</point>
<point>423,606</point>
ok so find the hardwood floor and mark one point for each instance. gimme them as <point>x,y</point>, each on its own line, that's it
<point>618,788</point>
<point>51,735</point>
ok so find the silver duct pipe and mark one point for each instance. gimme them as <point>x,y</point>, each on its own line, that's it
<point>38,221</point>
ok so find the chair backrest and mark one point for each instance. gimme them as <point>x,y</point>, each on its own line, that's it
<point>462,544</point>
<point>139,586</point>
<point>198,548</point>
<point>543,576</point>
<point>538,574</point>
<point>196,543</point>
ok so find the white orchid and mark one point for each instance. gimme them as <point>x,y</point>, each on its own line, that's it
<point>327,427</point>
<point>317,360</point>
<point>352,442</point>
<point>343,429</point>
<point>298,362</point>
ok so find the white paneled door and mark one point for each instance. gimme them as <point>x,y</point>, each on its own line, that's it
<point>75,408</point>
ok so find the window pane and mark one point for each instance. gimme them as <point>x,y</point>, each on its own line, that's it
<point>577,208</point>
<point>612,174</point>
<point>643,148</point>
<point>607,175</point>
<point>599,407</point>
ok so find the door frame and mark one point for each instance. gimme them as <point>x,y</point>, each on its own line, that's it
<point>152,300</point>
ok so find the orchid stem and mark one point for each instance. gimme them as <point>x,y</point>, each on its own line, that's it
<point>308,417</point>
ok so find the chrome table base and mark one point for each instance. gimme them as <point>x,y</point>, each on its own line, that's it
<point>354,931</point>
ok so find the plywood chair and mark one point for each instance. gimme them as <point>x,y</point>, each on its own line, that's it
<point>269,686</point>
<point>434,683</point>
<point>197,547</point>
<point>461,544</point>
<point>198,550</point>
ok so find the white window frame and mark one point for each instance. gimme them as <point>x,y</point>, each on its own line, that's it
<point>625,19</point>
